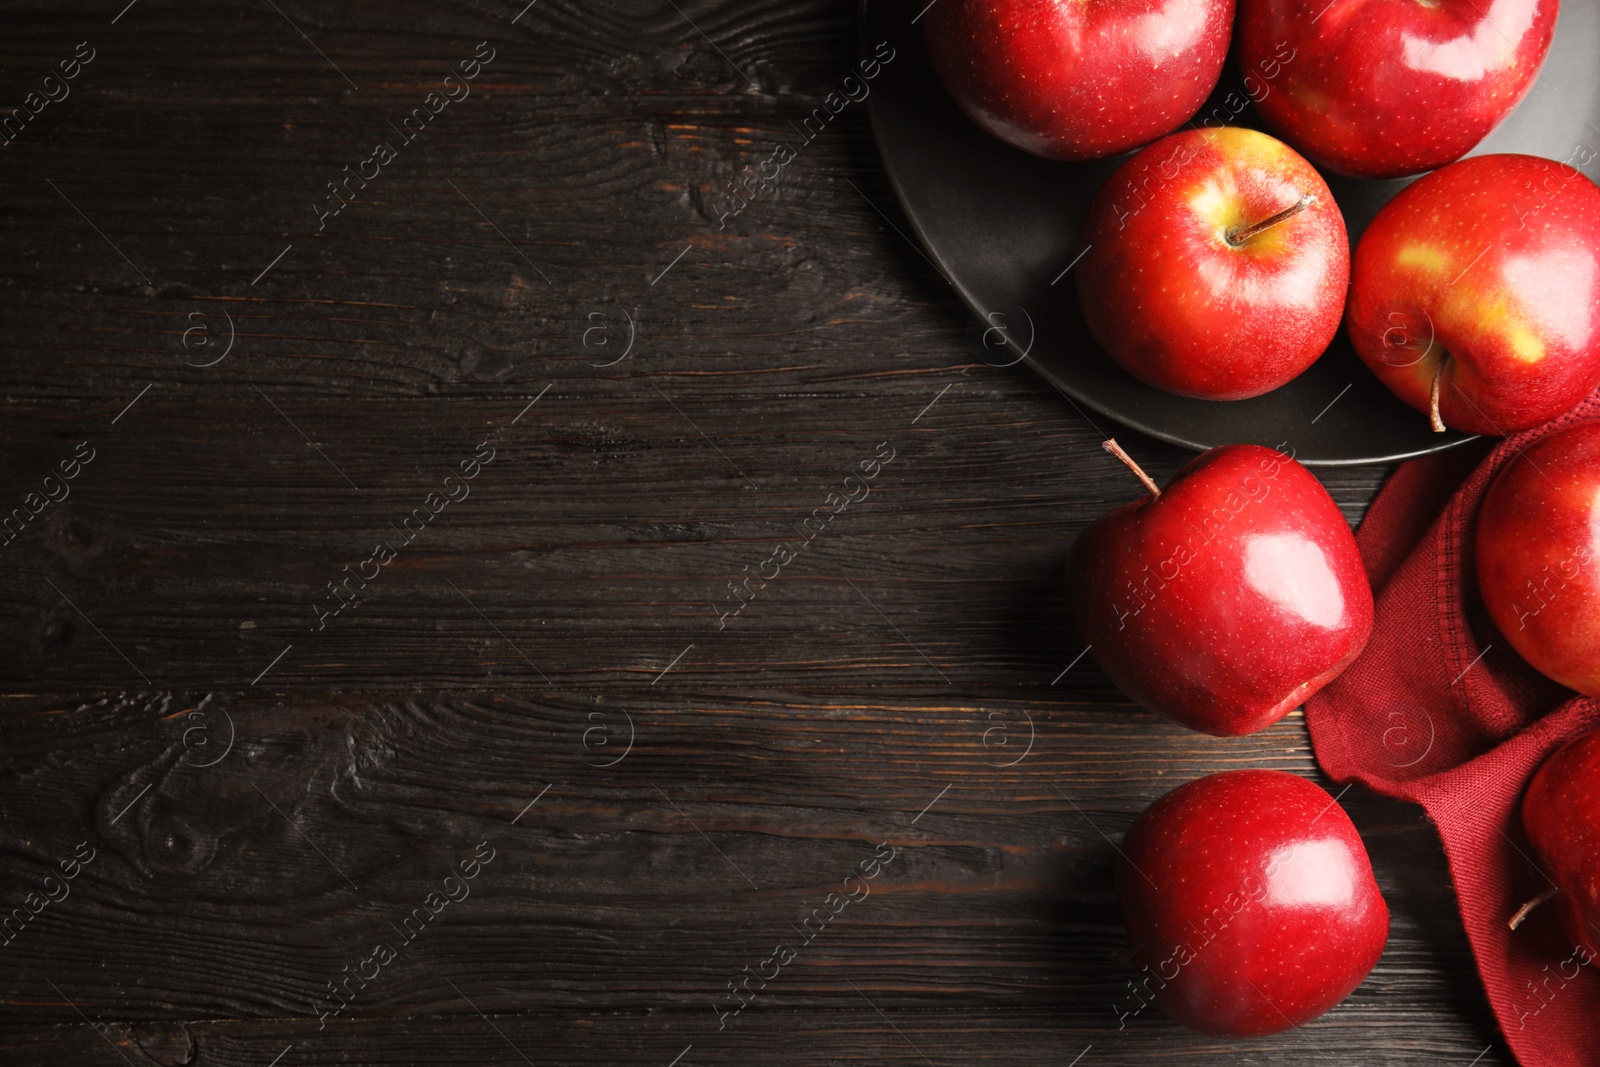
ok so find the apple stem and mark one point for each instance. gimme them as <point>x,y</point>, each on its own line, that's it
<point>1527,909</point>
<point>1433,398</point>
<point>1115,449</point>
<point>1239,237</point>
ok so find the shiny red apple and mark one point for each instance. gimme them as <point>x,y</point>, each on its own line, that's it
<point>1475,293</point>
<point>1250,901</point>
<point>1226,599</point>
<point>1067,79</point>
<point>1538,556</point>
<point>1216,264</point>
<point>1381,88</point>
<point>1561,813</point>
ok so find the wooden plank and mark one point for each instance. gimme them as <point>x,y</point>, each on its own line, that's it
<point>243,888</point>
<point>596,546</point>
<point>595,169</point>
<point>912,1039</point>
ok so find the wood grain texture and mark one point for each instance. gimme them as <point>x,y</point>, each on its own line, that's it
<point>597,545</point>
<point>882,689</point>
<point>647,885</point>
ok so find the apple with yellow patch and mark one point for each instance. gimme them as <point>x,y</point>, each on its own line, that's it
<point>1475,294</point>
<point>1215,264</point>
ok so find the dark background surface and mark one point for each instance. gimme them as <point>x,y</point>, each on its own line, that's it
<point>551,640</point>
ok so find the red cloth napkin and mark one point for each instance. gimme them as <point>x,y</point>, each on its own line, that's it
<point>1440,710</point>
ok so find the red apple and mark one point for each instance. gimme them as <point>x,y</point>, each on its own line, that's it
<point>1476,293</point>
<point>1561,814</point>
<point>1216,264</point>
<point>1538,554</point>
<point>1072,80</point>
<point>1381,88</point>
<point>1226,599</point>
<point>1251,903</point>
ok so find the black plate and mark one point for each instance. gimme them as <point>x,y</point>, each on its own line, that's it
<point>999,224</point>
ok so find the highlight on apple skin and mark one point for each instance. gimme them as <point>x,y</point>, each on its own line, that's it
<point>1538,556</point>
<point>1385,88</point>
<point>1251,903</point>
<point>1226,599</point>
<point>1216,264</point>
<point>1068,80</point>
<point>1475,293</point>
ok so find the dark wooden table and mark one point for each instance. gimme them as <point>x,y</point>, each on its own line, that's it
<point>408,537</point>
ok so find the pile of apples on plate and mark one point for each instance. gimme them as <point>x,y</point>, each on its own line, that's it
<point>1215,264</point>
